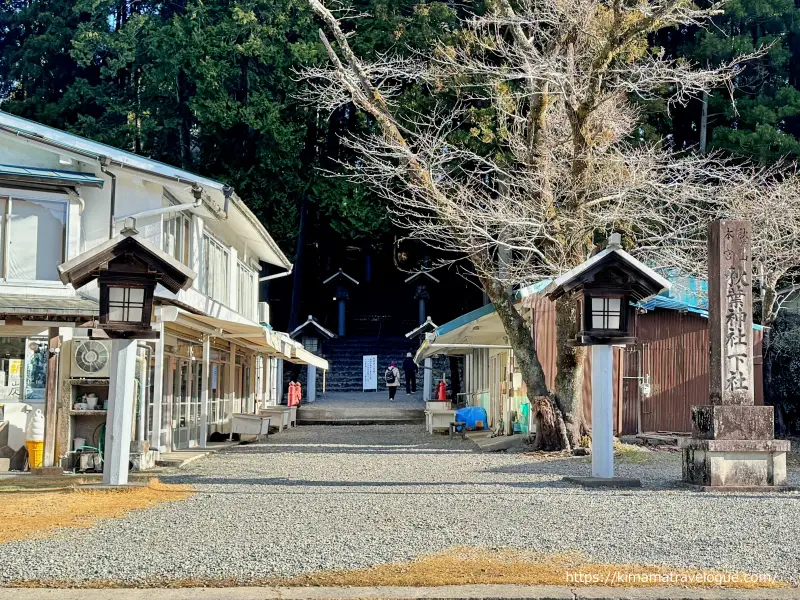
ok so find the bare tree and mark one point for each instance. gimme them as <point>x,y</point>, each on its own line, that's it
<point>559,165</point>
<point>773,207</point>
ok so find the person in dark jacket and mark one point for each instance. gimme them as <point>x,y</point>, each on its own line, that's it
<point>410,371</point>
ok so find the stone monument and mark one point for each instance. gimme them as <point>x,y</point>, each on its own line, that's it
<point>732,444</point>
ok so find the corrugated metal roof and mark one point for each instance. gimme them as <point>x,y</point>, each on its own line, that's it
<point>84,146</point>
<point>51,175</point>
<point>670,304</point>
<point>488,309</point>
<point>679,305</point>
<point>48,305</point>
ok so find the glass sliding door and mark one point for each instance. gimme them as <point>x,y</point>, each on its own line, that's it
<point>181,404</point>
<point>196,434</point>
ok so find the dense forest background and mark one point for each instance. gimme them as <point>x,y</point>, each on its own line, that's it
<point>213,86</point>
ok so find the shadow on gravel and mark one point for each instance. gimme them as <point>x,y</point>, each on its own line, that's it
<point>308,448</point>
<point>425,487</point>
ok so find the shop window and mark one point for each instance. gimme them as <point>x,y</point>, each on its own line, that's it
<point>32,238</point>
<point>23,369</point>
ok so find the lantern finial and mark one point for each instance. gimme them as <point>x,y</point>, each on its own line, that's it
<point>615,241</point>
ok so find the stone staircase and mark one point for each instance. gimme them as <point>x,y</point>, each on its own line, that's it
<point>345,356</point>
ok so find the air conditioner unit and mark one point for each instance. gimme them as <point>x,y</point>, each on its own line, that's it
<point>263,312</point>
<point>90,358</point>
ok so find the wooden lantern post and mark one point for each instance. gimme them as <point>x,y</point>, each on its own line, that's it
<point>604,289</point>
<point>127,270</point>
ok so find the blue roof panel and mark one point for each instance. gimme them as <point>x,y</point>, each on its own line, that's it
<point>52,174</point>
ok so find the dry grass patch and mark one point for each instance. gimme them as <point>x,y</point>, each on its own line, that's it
<point>38,512</point>
<point>458,566</point>
<point>463,566</point>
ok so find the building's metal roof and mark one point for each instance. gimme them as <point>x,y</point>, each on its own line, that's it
<point>488,309</point>
<point>426,327</point>
<point>667,303</point>
<point>690,291</point>
<point>17,125</point>
<point>312,322</point>
<point>49,175</point>
<point>48,306</point>
<point>61,140</point>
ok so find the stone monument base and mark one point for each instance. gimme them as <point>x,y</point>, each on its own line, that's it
<point>734,463</point>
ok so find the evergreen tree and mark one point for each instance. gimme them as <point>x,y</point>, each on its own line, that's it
<point>764,123</point>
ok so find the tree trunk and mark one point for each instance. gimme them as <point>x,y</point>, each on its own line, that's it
<point>550,432</point>
<point>569,375</point>
<point>185,122</point>
<point>768,318</point>
<point>299,266</point>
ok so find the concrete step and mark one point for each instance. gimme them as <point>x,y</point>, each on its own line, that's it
<point>181,458</point>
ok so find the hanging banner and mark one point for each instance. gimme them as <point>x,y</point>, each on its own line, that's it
<point>370,373</point>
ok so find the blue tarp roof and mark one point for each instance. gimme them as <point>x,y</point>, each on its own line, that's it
<point>51,174</point>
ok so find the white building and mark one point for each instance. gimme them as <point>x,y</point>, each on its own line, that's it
<point>61,195</point>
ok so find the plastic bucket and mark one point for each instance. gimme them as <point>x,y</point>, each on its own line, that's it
<point>78,442</point>
<point>35,453</point>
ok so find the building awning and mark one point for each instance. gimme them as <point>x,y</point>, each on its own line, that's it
<point>304,357</point>
<point>255,337</point>
<point>479,328</point>
<point>22,174</point>
<point>48,307</point>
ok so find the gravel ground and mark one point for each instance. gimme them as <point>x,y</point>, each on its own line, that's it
<point>343,497</point>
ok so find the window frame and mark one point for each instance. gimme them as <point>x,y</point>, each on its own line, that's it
<point>5,229</point>
<point>185,222</point>
<point>204,279</point>
<point>242,270</point>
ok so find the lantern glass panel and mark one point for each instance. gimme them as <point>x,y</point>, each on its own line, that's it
<point>606,313</point>
<point>125,305</point>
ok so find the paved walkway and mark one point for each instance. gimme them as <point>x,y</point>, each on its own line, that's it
<point>325,497</point>
<point>363,408</point>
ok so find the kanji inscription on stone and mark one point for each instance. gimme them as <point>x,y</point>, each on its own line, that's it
<point>730,313</point>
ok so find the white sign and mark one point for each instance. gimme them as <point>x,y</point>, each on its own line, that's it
<point>370,373</point>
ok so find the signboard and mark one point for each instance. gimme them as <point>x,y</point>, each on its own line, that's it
<point>370,373</point>
<point>15,372</point>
